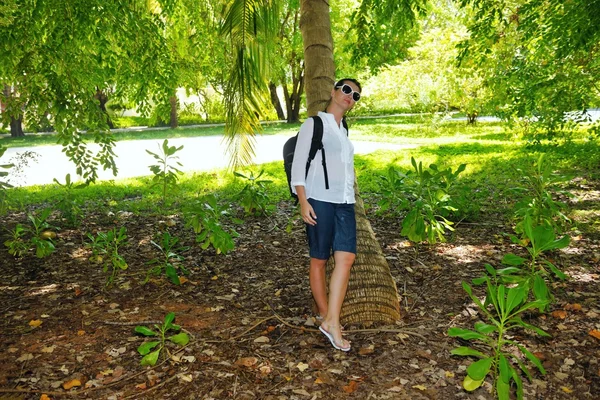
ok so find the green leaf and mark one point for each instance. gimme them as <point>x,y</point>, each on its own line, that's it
<point>479,369</point>
<point>171,273</point>
<point>534,360</point>
<point>467,351</point>
<point>169,318</point>
<point>504,368</point>
<point>181,339</point>
<point>515,297</point>
<point>511,259</point>
<point>485,328</point>
<point>561,275</point>
<point>502,389</point>
<point>150,359</point>
<point>540,289</point>
<point>146,347</point>
<point>517,320</point>
<point>470,384</point>
<point>145,331</point>
<point>465,334</point>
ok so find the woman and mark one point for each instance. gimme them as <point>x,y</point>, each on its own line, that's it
<point>329,213</point>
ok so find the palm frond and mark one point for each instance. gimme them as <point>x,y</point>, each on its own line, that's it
<point>250,26</point>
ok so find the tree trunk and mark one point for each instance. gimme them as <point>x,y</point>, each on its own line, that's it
<point>16,123</point>
<point>16,126</point>
<point>102,98</point>
<point>372,294</point>
<point>318,54</point>
<point>275,101</point>
<point>173,122</point>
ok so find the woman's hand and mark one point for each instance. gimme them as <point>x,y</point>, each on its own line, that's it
<point>307,212</point>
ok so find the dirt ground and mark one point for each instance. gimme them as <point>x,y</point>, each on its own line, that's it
<point>253,335</point>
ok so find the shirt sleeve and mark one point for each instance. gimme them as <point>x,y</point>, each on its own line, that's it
<point>301,153</point>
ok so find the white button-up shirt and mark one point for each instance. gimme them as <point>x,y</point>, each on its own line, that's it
<point>339,154</point>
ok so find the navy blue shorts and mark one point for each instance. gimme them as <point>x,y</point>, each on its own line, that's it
<point>335,229</point>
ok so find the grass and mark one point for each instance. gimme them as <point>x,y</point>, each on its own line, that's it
<point>495,163</point>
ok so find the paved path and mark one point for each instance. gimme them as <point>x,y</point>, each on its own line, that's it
<point>198,154</point>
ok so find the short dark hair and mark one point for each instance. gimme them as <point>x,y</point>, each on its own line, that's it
<point>342,81</point>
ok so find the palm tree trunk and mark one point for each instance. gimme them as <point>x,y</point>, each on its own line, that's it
<point>315,26</point>
<point>372,295</point>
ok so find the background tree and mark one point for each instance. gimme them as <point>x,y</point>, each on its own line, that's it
<point>58,54</point>
<point>540,58</point>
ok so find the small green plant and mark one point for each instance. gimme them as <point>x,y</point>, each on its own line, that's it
<point>17,246</point>
<point>538,202</point>
<point>502,309</point>
<point>206,221</point>
<point>105,250</point>
<point>165,174</point>
<point>41,235</point>
<point>169,260</point>
<point>68,205</point>
<point>533,272</point>
<point>392,191</point>
<point>4,186</point>
<point>253,197</point>
<point>150,356</point>
<point>429,193</point>
<point>37,235</point>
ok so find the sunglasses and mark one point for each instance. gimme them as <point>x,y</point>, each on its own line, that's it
<point>346,89</point>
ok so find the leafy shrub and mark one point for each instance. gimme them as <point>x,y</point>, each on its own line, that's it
<point>428,192</point>
<point>168,262</point>
<point>206,218</point>
<point>146,349</point>
<point>39,233</point>
<point>538,202</point>
<point>503,309</point>
<point>105,250</point>
<point>253,197</point>
<point>165,174</point>
<point>68,205</point>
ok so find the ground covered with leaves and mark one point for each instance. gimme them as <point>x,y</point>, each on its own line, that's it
<point>249,318</point>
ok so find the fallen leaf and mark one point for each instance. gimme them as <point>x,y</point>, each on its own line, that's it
<point>25,357</point>
<point>302,366</point>
<point>366,350</point>
<point>214,278</point>
<point>72,383</point>
<point>271,328</point>
<point>318,381</point>
<point>246,361</point>
<point>560,314</point>
<point>185,377</point>
<point>566,389</point>
<point>396,389</point>
<point>449,374</point>
<point>420,387</point>
<point>48,349</point>
<point>351,387</point>
<point>141,386</point>
<point>34,323</point>
<point>45,397</point>
<point>80,332</point>
<point>183,279</point>
<point>78,292</point>
<point>278,293</point>
<point>595,333</point>
<point>262,339</point>
<point>265,369</point>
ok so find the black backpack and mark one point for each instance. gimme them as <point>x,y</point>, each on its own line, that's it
<point>316,144</point>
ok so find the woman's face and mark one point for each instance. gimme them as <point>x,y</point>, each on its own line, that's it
<point>345,100</point>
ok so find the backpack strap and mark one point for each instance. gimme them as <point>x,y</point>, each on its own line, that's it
<point>316,143</point>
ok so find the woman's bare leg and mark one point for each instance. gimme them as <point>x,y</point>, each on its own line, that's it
<point>338,285</point>
<point>318,284</point>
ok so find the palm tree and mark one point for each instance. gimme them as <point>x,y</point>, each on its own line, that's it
<point>372,294</point>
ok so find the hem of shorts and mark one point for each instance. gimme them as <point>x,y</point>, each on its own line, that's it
<point>353,251</point>
<point>318,256</point>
